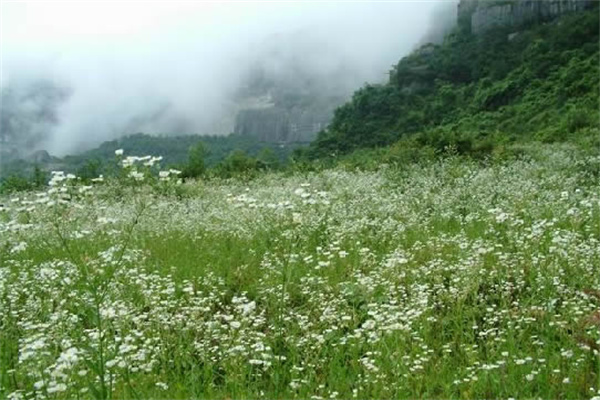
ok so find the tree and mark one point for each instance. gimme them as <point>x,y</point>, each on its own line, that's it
<point>91,169</point>
<point>237,163</point>
<point>39,177</point>
<point>267,159</point>
<point>195,166</point>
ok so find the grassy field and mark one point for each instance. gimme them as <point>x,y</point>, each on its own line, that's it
<point>452,279</point>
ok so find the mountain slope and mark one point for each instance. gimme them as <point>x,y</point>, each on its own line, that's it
<point>473,91</point>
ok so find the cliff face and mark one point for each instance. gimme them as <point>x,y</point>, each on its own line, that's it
<point>290,89</point>
<point>480,15</point>
<point>277,124</point>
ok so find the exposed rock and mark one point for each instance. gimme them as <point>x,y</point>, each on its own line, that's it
<point>267,124</point>
<point>466,8</point>
<point>481,15</point>
<point>276,124</point>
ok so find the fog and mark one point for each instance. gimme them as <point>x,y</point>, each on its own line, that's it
<point>108,69</point>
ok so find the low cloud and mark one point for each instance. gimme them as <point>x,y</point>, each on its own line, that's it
<point>100,70</point>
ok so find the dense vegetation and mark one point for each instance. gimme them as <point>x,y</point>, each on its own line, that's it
<point>473,94</point>
<point>459,261</point>
<point>478,92</point>
<point>446,279</point>
<point>221,155</point>
<point>174,150</point>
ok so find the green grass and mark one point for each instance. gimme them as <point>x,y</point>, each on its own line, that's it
<point>447,279</point>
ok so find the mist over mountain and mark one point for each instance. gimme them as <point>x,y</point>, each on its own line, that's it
<point>441,21</point>
<point>95,71</point>
<point>30,110</point>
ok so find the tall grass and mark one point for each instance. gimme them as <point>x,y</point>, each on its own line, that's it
<point>449,279</point>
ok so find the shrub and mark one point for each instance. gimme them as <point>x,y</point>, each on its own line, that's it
<point>15,183</point>
<point>195,166</point>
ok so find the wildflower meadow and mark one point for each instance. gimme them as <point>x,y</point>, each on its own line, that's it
<point>444,279</point>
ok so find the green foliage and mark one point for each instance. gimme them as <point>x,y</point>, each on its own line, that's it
<point>15,183</point>
<point>237,163</point>
<point>472,93</point>
<point>267,159</point>
<point>445,278</point>
<point>91,169</point>
<point>39,177</point>
<point>476,92</point>
<point>21,183</point>
<point>173,149</point>
<point>195,166</point>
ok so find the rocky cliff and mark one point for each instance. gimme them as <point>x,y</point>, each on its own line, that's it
<point>481,15</point>
<point>282,125</point>
<point>288,92</point>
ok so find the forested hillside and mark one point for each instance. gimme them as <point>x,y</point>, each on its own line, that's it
<point>479,91</point>
<point>474,93</point>
<point>174,150</point>
<point>216,151</point>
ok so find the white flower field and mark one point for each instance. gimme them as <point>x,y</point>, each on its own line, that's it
<point>452,279</point>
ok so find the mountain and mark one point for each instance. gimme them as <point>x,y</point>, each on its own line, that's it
<point>480,16</point>
<point>533,77</point>
<point>291,89</point>
<point>510,72</point>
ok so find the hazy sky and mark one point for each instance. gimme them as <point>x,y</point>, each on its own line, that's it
<point>163,66</point>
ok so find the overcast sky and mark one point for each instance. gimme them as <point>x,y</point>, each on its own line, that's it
<point>126,59</point>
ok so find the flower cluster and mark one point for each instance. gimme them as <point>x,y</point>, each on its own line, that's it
<point>445,280</point>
